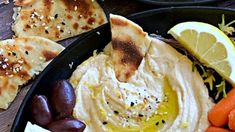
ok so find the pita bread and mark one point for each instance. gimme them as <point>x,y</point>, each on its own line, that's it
<point>130,44</point>
<point>20,60</point>
<point>56,19</point>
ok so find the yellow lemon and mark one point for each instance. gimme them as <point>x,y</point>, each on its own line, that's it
<point>209,45</point>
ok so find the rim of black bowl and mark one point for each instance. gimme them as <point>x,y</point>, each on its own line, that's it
<point>82,38</point>
<point>168,3</point>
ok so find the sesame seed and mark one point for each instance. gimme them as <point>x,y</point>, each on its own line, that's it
<point>4,66</point>
<point>58,27</point>
<point>20,61</point>
<point>62,23</point>
<point>46,31</point>
<point>51,18</point>
<point>141,115</point>
<point>56,16</point>
<point>1,50</point>
<point>13,53</point>
<point>75,8</point>
<point>116,112</point>
<point>104,123</point>
<point>157,123</point>
<point>132,104</point>
<point>5,60</point>
<point>163,121</point>
<point>41,17</point>
<point>26,52</point>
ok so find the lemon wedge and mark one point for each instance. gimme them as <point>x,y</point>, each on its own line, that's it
<point>209,45</point>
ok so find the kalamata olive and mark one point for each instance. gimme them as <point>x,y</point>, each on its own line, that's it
<point>62,98</point>
<point>41,111</point>
<point>67,125</point>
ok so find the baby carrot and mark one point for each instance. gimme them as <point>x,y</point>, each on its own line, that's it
<point>231,120</point>
<point>218,115</point>
<point>216,129</point>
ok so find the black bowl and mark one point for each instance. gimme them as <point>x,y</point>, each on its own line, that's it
<point>154,21</point>
<point>178,2</point>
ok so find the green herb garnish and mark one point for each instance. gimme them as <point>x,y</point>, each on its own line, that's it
<point>221,89</point>
<point>226,28</point>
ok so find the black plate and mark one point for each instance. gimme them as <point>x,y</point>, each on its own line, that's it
<point>178,2</point>
<point>160,20</point>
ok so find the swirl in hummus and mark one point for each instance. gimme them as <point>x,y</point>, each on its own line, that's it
<point>162,94</point>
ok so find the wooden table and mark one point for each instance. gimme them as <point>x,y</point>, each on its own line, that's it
<point>111,6</point>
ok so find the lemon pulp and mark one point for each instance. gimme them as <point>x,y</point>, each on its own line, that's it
<point>209,45</point>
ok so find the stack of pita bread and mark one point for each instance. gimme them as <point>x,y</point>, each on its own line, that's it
<point>37,24</point>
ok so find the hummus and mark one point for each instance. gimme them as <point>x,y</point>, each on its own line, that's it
<point>164,94</point>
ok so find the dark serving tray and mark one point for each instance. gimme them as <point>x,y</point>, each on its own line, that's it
<point>157,21</point>
<point>178,2</point>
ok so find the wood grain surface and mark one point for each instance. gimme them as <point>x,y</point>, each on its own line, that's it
<point>122,7</point>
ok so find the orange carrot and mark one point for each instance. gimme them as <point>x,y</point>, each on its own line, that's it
<point>231,120</point>
<point>218,115</point>
<point>216,129</point>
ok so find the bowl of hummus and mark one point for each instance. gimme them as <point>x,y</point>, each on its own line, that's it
<point>127,80</point>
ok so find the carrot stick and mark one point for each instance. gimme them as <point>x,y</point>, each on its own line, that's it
<point>231,120</point>
<point>216,129</point>
<point>218,115</point>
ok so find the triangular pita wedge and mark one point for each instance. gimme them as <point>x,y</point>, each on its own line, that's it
<point>130,44</point>
<point>56,19</point>
<point>20,60</point>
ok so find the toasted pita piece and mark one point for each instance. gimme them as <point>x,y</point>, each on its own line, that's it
<point>130,44</point>
<point>20,60</point>
<point>56,19</point>
<point>24,2</point>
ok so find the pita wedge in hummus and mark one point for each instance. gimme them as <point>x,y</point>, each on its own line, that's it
<point>20,60</point>
<point>139,83</point>
<point>56,19</point>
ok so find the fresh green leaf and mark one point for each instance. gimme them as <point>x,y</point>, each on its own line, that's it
<point>210,80</point>
<point>221,89</point>
<point>226,28</point>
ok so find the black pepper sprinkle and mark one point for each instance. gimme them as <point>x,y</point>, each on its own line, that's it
<point>116,112</point>
<point>132,104</point>
<point>104,123</point>
<point>157,123</point>
<point>56,15</point>
<point>61,31</point>
<point>163,121</point>
<point>46,31</point>
<point>141,115</point>
<point>107,102</point>
<point>9,53</point>
<point>26,52</point>
<point>14,53</point>
<point>62,23</point>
